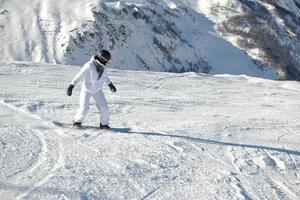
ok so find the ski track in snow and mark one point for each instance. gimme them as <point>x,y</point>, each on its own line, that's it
<point>177,136</point>
<point>42,157</point>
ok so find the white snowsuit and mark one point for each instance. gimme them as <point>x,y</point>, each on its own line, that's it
<point>92,86</point>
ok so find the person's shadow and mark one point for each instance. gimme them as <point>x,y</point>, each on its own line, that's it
<point>215,142</point>
<point>121,130</point>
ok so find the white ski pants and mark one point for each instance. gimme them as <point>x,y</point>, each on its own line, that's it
<point>101,104</point>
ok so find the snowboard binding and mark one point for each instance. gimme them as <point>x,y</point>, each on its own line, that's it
<point>77,124</point>
<point>104,127</point>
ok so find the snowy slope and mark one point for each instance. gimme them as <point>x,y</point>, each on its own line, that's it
<point>267,30</point>
<point>34,30</point>
<point>142,35</point>
<point>176,136</point>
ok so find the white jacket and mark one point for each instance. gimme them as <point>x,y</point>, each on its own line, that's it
<point>89,75</point>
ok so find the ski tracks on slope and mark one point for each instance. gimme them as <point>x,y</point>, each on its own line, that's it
<point>238,170</point>
<point>176,148</point>
<point>258,167</point>
<point>290,156</point>
<point>50,157</point>
<point>116,162</point>
<point>114,166</point>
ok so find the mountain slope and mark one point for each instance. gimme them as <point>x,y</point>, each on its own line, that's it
<point>145,35</point>
<point>176,136</point>
<point>267,30</point>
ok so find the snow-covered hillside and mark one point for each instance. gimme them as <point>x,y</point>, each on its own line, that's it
<point>162,35</point>
<point>269,30</point>
<point>175,136</point>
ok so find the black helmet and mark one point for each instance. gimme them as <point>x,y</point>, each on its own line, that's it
<point>103,56</point>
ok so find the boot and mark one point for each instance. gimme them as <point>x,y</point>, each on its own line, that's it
<point>77,124</point>
<point>104,126</point>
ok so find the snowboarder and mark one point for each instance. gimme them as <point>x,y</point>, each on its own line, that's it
<point>94,75</point>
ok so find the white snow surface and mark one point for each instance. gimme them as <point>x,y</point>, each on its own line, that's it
<point>174,136</point>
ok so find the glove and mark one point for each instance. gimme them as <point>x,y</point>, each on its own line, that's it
<point>112,87</point>
<point>69,90</point>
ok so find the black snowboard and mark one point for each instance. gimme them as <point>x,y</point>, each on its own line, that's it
<point>88,127</point>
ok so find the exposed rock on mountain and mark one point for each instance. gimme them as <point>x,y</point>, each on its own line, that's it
<point>267,30</point>
<point>252,37</point>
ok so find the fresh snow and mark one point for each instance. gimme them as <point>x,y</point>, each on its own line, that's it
<point>175,136</point>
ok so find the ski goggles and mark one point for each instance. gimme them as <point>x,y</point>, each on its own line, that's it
<point>98,63</point>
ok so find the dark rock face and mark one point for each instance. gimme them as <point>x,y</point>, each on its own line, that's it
<point>275,33</point>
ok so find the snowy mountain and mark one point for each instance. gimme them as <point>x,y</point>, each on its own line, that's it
<point>175,136</point>
<point>268,30</point>
<point>256,38</point>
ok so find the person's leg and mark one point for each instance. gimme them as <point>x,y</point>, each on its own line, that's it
<point>83,109</point>
<point>102,106</point>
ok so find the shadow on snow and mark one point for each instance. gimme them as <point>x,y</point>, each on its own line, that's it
<point>194,139</point>
<point>209,141</point>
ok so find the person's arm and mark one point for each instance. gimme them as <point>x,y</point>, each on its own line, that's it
<point>81,74</point>
<point>105,77</point>
<point>108,82</point>
<point>77,78</point>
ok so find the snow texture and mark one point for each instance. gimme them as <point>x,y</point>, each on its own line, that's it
<point>174,136</point>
